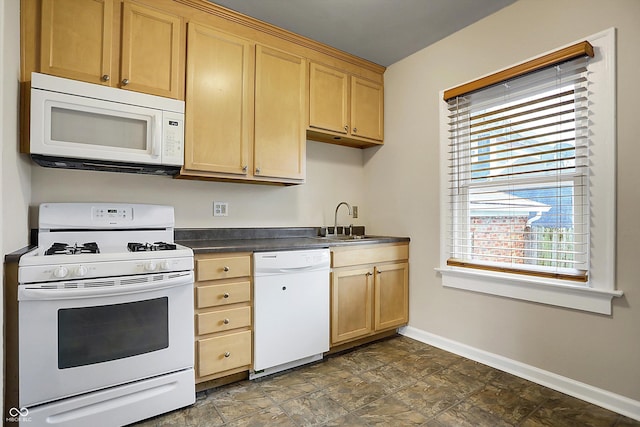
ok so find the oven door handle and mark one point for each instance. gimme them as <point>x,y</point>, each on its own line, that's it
<point>27,292</point>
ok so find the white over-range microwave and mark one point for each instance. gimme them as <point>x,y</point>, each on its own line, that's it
<point>79,125</point>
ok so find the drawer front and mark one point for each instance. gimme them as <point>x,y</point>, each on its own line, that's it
<point>223,353</point>
<point>223,268</point>
<point>368,254</point>
<point>223,320</point>
<point>226,293</point>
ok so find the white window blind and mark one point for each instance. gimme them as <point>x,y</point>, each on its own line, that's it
<point>518,175</point>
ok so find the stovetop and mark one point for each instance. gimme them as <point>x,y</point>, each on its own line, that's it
<point>58,248</point>
<point>85,240</point>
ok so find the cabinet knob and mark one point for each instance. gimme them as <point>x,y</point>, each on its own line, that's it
<point>346,128</point>
<point>257,170</point>
<point>125,82</point>
<point>106,78</point>
<point>225,321</point>
<point>225,268</point>
<point>379,271</point>
<point>226,295</point>
<point>368,274</point>
<point>227,354</point>
<point>245,168</point>
<point>355,130</point>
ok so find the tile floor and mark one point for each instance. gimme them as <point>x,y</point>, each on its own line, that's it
<point>396,382</point>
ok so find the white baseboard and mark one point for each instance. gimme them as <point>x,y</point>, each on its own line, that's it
<point>606,399</point>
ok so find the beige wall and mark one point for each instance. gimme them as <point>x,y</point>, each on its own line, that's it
<point>334,173</point>
<point>403,180</point>
<point>16,184</point>
<point>14,174</point>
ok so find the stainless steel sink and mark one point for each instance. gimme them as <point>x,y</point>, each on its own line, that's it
<point>342,237</point>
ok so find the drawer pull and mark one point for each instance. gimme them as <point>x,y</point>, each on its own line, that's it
<point>225,268</point>
<point>226,295</point>
<point>225,321</point>
<point>227,354</point>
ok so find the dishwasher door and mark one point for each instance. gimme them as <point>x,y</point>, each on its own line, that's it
<point>291,309</point>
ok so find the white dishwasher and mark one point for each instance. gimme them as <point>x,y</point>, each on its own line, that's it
<point>291,309</point>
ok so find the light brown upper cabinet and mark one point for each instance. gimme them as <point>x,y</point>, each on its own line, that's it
<point>219,102</point>
<point>343,108</point>
<point>245,106</point>
<point>109,42</point>
<point>279,141</point>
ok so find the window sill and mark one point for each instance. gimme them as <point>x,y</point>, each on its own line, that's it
<point>541,290</point>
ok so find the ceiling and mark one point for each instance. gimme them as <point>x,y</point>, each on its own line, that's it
<point>382,31</point>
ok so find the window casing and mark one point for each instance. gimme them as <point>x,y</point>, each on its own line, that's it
<point>533,162</point>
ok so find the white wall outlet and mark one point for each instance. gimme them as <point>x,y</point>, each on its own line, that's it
<point>220,209</point>
<point>354,209</point>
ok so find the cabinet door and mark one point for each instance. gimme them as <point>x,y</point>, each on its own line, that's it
<point>367,107</point>
<point>279,140</point>
<point>391,296</point>
<point>217,294</point>
<point>219,354</point>
<point>150,51</point>
<point>219,101</point>
<point>222,267</point>
<point>328,99</point>
<point>223,320</point>
<point>351,300</point>
<point>76,39</point>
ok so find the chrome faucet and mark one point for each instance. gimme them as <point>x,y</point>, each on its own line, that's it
<point>335,219</point>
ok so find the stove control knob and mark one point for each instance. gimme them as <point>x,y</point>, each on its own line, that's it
<point>60,272</point>
<point>165,265</point>
<point>150,266</point>
<point>81,271</point>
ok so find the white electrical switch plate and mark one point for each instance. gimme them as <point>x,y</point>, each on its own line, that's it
<point>220,209</point>
<point>355,211</point>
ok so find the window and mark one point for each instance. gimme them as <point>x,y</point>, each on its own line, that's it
<point>528,163</point>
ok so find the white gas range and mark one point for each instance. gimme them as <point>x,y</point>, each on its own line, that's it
<point>105,316</point>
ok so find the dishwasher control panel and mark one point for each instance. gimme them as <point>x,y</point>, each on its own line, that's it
<point>286,261</point>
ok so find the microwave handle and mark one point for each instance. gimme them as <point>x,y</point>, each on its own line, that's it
<point>156,131</point>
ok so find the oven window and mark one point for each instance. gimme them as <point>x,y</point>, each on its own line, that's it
<point>91,335</point>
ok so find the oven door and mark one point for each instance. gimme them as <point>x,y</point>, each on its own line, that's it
<point>85,335</point>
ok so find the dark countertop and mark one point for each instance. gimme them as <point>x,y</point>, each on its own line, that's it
<point>14,256</point>
<point>279,243</point>
<point>212,240</point>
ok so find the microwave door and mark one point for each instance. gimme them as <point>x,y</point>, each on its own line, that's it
<point>86,128</point>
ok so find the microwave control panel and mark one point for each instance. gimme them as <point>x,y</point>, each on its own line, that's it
<point>172,138</point>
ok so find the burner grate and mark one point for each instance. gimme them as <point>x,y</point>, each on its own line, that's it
<point>145,247</point>
<point>66,249</point>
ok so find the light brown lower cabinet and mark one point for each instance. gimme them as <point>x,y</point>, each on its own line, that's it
<point>223,322</point>
<point>223,353</point>
<point>369,290</point>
